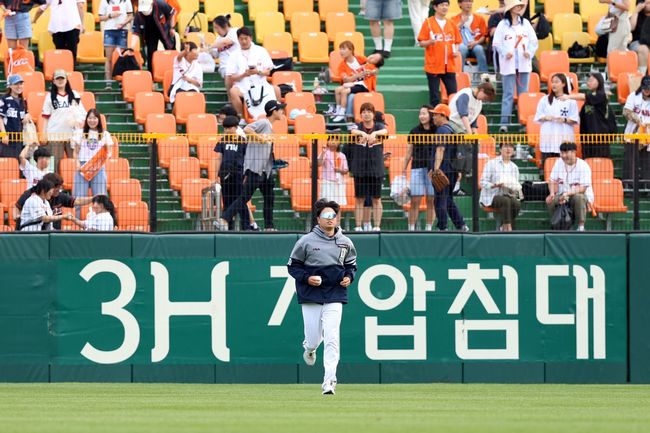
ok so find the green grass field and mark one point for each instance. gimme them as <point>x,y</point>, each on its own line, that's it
<point>161,408</point>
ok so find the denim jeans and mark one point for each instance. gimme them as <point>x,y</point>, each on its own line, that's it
<point>97,185</point>
<point>509,82</point>
<point>479,52</point>
<point>445,206</point>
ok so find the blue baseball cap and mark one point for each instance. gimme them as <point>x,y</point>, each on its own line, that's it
<point>14,79</point>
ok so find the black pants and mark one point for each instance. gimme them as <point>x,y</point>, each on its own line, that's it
<point>445,206</point>
<point>67,41</point>
<point>643,164</point>
<point>151,37</point>
<point>11,150</point>
<point>231,190</point>
<point>449,79</point>
<point>253,181</point>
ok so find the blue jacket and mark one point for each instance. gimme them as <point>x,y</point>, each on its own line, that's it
<point>331,258</point>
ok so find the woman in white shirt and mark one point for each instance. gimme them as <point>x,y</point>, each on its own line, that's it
<point>515,42</point>
<point>637,113</point>
<point>62,113</point>
<point>557,117</point>
<point>66,22</point>
<point>226,42</point>
<point>116,16</point>
<point>36,214</point>
<point>188,73</point>
<point>101,218</point>
<point>619,39</point>
<point>500,188</point>
<point>87,143</point>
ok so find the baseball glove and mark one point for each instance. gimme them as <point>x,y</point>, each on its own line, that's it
<point>438,179</point>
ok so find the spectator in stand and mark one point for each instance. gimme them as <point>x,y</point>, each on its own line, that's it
<point>246,76</point>
<point>229,165</point>
<point>637,113</point>
<point>334,166</point>
<point>641,34</point>
<point>226,42</point>
<point>473,31</point>
<point>14,115</point>
<point>66,22</point>
<point>62,113</point>
<point>619,39</point>
<point>442,156</point>
<point>358,74</point>
<point>154,23</point>
<point>386,12</point>
<point>418,13</point>
<point>117,16</point>
<point>59,200</point>
<point>229,110</point>
<point>570,182</point>
<point>418,152</point>
<point>500,188</point>
<point>557,115</point>
<point>18,24</point>
<point>368,165</point>
<point>87,143</point>
<point>188,73</point>
<point>34,173</point>
<point>101,217</point>
<point>515,42</point>
<point>258,168</point>
<point>440,39</point>
<point>466,105</point>
<point>596,117</point>
<point>37,214</point>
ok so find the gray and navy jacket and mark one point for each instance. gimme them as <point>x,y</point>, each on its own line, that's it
<point>331,258</point>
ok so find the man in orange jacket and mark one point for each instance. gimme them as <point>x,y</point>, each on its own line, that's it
<point>440,39</point>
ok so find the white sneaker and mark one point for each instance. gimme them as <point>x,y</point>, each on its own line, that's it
<point>358,229</point>
<point>329,388</point>
<point>581,228</point>
<point>339,118</point>
<point>376,229</point>
<point>310,357</point>
<point>331,109</point>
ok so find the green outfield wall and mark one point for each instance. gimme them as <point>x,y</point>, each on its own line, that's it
<point>217,308</point>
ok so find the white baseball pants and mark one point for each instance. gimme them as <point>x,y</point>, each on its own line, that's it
<point>322,323</point>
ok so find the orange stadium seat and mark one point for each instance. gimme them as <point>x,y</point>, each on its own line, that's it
<point>205,149</point>
<point>601,168</point>
<point>163,60</point>
<point>134,82</point>
<point>313,48</point>
<point>125,190</point>
<point>191,194</point>
<point>300,100</point>
<point>167,83</point>
<point>334,62</point>
<point>565,23</point>
<point>608,196</point>
<point>132,216</point>
<point>488,146</point>
<point>292,6</point>
<point>548,167</point>
<point>623,85</point>
<point>181,168</point>
<point>67,168</point>
<point>175,146</point>
<point>391,124</point>
<point>35,102</point>
<point>592,22</point>
<point>327,6</point>
<point>187,103</point>
<point>375,98</point>
<point>355,37</point>
<point>288,77</point>
<point>257,6</point>
<point>301,195</point>
<point>268,22</point>
<point>214,8</point>
<point>88,100</point>
<point>34,81</point>
<point>396,146</point>
<point>91,48</point>
<point>298,168</point>
<point>281,42</point>
<point>76,80</point>
<point>551,62</point>
<point>281,126</point>
<point>309,124</point>
<point>621,61</point>
<point>286,146</point>
<point>10,191</point>
<point>146,103</point>
<point>527,105</point>
<point>339,22</point>
<point>553,7</point>
<point>162,123</point>
<point>304,22</point>
<point>199,124</point>
<point>9,168</point>
<point>592,7</point>
<point>395,167</point>
<point>57,59</point>
<point>117,168</point>
<point>481,124</point>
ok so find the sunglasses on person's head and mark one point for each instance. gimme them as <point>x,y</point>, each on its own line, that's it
<point>328,215</point>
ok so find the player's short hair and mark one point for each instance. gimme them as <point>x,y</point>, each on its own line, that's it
<point>244,31</point>
<point>41,152</point>
<point>367,106</point>
<point>568,146</point>
<point>324,203</point>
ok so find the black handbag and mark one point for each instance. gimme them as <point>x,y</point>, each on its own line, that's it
<point>562,218</point>
<point>534,191</point>
<point>577,51</point>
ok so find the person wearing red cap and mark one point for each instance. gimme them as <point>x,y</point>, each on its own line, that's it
<point>440,39</point>
<point>443,154</point>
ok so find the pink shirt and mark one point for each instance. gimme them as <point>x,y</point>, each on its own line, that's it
<point>333,160</point>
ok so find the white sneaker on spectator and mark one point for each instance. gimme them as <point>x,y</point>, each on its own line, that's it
<point>331,110</point>
<point>503,130</point>
<point>376,229</point>
<point>581,228</point>
<point>358,229</point>
<point>464,228</point>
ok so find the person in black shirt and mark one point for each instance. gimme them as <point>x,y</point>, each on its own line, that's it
<point>367,165</point>
<point>443,155</point>
<point>231,151</point>
<point>154,23</point>
<point>13,114</point>
<point>59,200</point>
<point>418,152</point>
